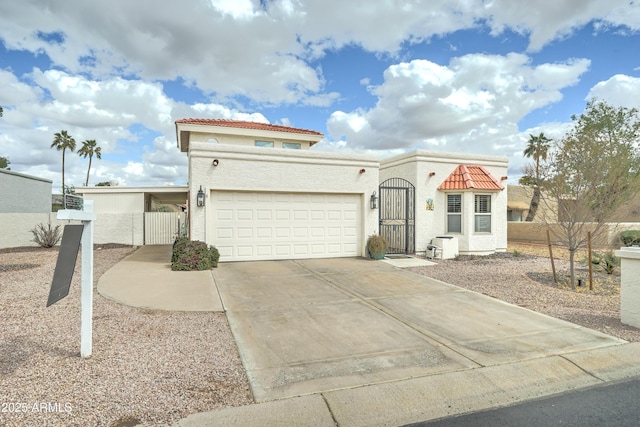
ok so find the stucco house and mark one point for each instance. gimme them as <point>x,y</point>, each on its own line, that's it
<point>257,192</point>
<point>457,197</point>
<point>21,193</point>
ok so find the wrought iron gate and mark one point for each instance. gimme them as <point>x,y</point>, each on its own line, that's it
<point>397,215</point>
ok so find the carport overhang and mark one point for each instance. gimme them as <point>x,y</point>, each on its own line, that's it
<point>170,195</point>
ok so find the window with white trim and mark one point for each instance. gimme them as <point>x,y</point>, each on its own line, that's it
<point>454,213</point>
<point>482,218</point>
<point>291,145</point>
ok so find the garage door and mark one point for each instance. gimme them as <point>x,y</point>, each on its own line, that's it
<point>266,226</point>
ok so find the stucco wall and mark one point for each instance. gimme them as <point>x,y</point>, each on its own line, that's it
<point>248,141</point>
<point>116,202</point>
<point>533,232</point>
<point>426,170</point>
<point>259,169</point>
<point>21,193</point>
<point>126,229</point>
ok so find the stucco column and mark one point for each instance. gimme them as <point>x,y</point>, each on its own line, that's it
<point>630,285</point>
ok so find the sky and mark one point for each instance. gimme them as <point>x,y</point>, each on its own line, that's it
<point>380,76</point>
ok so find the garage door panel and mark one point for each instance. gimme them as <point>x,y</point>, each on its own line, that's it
<point>282,215</point>
<point>224,214</point>
<point>251,226</point>
<point>245,233</point>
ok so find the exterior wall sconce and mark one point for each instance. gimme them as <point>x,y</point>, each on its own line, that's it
<point>215,162</point>
<point>362,170</point>
<point>504,178</point>
<point>432,173</point>
<point>373,201</point>
<point>200,198</point>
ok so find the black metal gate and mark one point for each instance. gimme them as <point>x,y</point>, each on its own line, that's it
<point>397,215</point>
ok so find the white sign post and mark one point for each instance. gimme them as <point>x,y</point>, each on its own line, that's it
<point>87,216</point>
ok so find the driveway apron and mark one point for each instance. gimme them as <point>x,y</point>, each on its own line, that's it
<point>309,326</point>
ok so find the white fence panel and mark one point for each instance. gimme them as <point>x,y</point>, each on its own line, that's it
<point>162,228</point>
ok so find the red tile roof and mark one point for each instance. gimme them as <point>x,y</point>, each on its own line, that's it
<point>467,177</point>
<point>247,125</point>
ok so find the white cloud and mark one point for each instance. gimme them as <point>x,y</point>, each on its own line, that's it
<point>422,103</point>
<point>259,50</point>
<point>620,90</point>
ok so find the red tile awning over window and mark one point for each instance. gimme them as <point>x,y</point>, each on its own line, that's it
<point>468,177</point>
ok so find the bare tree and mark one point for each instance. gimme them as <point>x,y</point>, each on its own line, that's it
<point>591,172</point>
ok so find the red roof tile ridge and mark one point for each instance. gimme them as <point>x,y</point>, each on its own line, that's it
<point>246,124</point>
<point>466,177</point>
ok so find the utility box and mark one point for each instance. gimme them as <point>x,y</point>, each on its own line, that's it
<point>448,246</point>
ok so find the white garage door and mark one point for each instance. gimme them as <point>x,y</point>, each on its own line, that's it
<point>268,226</point>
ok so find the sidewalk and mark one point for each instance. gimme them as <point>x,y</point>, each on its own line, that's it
<point>144,279</point>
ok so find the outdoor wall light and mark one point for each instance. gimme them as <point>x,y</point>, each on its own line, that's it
<point>504,178</point>
<point>373,201</point>
<point>215,162</point>
<point>362,170</point>
<point>432,173</point>
<point>200,198</point>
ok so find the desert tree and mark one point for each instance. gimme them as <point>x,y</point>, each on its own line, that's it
<point>4,163</point>
<point>590,173</point>
<point>62,141</point>
<point>89,149</point>
<point>537,149</point>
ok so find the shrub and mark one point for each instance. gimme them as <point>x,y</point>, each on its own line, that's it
<point>606,261</point>
<point>193,255</point>
<point>630,237</point>
<point>46,236</point>
<point>377,246</point>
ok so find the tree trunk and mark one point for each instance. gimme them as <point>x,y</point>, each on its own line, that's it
<point>533,205</point>
<point>572,272</point>
<point>63,176</point>
<point>86,183</point>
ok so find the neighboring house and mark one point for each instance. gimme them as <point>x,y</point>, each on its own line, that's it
<point>427,195</point>
<point>20,193</point>
<point>264,195</point>
<point>126,215</point>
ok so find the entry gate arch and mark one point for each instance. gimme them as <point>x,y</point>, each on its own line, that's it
<point>397,215</point>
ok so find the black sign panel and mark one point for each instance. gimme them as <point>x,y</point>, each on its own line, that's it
<point>66,262</point>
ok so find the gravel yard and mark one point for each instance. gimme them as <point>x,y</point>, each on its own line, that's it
<point>147,366</point>
<point>156,367</point>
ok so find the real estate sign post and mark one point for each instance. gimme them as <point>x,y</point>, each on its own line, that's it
<point>86,216</point>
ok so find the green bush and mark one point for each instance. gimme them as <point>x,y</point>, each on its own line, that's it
<point>606,261</point>
<point>630,238</point>
<point>193,255</point>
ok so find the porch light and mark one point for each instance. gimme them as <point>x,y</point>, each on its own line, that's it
<point>200,198</point>
<point>373,201</point>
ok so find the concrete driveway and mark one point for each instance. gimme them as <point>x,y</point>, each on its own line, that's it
<point>310,326</point>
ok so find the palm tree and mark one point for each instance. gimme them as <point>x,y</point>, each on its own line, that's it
<point>89,148</point>
<point>63,141</point>
<point>537,148</point>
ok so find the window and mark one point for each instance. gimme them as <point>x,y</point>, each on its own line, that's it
<point>454,213</point>
<point>264,143</point>
<point>483,213</point>
<point>291,145</point>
